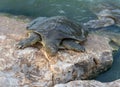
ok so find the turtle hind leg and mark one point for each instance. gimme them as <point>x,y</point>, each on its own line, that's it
<point>72,45</point>
<point>33,38</point>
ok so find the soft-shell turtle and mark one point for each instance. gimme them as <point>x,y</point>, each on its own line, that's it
<point>55,33</point>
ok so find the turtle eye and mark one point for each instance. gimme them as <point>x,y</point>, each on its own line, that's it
<point>30,25</point>
<point>27,27</point>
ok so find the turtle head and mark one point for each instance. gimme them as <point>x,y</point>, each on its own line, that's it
<point>31,27</point>
<point>35,24</point>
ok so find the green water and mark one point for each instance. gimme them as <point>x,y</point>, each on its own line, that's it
<point>79,10</point>
<point>75,9</point>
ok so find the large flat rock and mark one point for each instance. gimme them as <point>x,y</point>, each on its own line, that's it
<point>30,68</point>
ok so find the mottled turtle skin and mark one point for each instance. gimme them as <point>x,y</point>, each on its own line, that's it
<point>55,33</point>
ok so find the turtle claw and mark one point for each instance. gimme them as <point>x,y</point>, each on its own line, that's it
<point>82,49</point>
<point>79,48</point>
<point>20,45</point>
<point>32,39</point>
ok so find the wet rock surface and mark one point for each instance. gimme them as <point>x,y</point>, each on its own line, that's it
<point>107,15</point>
<point>30,68</point>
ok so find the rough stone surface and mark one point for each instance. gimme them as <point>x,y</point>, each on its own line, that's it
<point>88,83</point>
<point>30,68</point>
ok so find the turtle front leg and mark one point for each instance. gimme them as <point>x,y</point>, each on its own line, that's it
<point>72,45</point>
<point>33,38</point>
<point>51,46</point>
<point>51,49</point>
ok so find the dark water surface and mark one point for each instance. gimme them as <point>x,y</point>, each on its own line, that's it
<point>79,10</point>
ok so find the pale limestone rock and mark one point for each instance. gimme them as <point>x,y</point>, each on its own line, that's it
<point>30,67</point>
<point>89,83</point>
<point>7,81</point>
